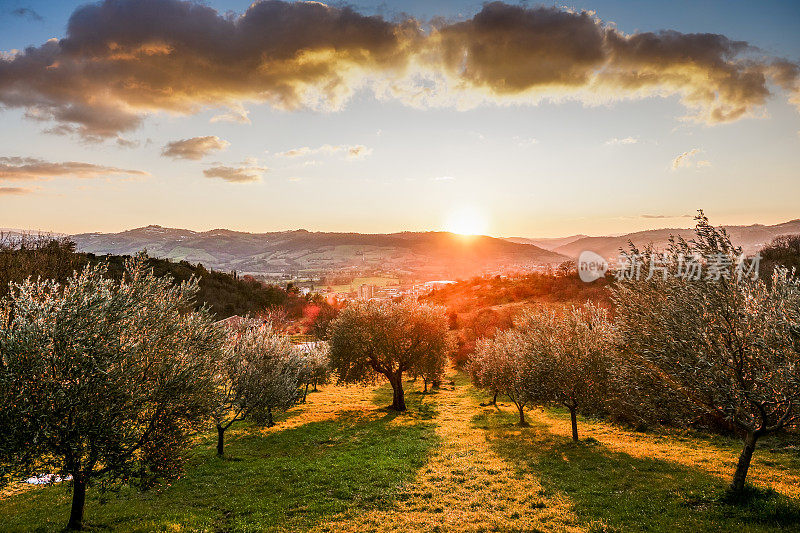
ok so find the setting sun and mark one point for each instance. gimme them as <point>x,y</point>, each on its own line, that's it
<point>467,220</point>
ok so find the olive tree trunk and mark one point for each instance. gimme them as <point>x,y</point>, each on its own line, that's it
<point>398,397</point>
<point>220,440</point>
<point>78,503</point>
<point>744,462</point>
<point>573,415</point>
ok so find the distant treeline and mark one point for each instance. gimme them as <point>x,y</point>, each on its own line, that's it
<point>480,292</point>
<point>226,294</point>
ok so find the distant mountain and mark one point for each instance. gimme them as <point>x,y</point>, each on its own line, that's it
<point>547,244</point>
<point>428,253</point>
<point>750,238</point>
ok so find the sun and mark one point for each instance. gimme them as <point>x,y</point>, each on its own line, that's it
<point>466,220</point>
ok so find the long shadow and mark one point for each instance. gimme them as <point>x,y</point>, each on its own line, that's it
<point>615,491</point>
<point>279,481</point>
<point>419,406</point>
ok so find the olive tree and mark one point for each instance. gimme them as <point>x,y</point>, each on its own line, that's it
<point>257,373</point>
<point>315,366</point>
<point>568,356</point>
<point>500,366</point>
<point>728,342</point>
<point>374,338</point>
<point>102,381</point>
<point>431,368</point>
<point>475,367</point>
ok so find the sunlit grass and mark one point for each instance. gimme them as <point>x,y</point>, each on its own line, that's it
<point>319,461</point>
<point>776,462</point>
<point>465,486</point>
<point>656,487</point>
<point>344,462</point>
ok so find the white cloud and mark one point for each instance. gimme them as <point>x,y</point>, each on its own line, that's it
<point>236,113</point>
<point>241,174</point>
<point>685,160</point>
<point>627,140</point>
<point>32,168</point>
<point>355,151</point>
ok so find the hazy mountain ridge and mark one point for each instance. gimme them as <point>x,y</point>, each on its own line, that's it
<point>751,238</point>
<point>548,243</point>
<point>432,252</point>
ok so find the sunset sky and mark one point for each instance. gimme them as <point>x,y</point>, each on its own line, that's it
<point>509,119</point>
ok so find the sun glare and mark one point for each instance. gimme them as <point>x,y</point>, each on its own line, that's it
<point>467,221</point>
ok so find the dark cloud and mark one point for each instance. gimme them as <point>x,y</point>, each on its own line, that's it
<point>26,12</point>
<point>509,49</point>
<point>241,174</point>
<point>122,59</point>
<point>194,148</point>
<point>31,168</point>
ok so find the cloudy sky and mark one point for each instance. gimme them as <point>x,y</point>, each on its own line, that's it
<point>510,119</point>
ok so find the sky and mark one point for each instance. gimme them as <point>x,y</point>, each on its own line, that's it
<point>516,119</point>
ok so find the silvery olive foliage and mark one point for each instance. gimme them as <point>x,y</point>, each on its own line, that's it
<point>374,338</point>
<point>551,356</point>
<point>315,366</point>
<point>729,344</point>
<point>569,354</point>
<point>500,366</point>
<point>102,380</point>
<point>257,373</point>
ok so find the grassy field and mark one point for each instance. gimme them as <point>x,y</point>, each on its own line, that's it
<point>341,462</point>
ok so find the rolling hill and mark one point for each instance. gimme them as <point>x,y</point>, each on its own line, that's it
<point>751,238</point>
<point>547,243</point>
<point>422,253</point>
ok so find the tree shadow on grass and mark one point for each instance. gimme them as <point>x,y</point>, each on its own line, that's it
<point>418,406</point>
<point>280,481</point>
<point>612,490</point>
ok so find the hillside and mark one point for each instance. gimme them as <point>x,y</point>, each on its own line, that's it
<point>750,238</point>
<point>224,293</point>
<point>423,253</point>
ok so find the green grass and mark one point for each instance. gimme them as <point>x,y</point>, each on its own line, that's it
<point>615,491</point>
<point>297,478</point>
<point>282,481</point>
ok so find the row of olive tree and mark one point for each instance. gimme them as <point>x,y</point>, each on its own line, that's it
<point>550,357</point>
<point>726,347</point>
<point>259,372</point>
<point>315,369</point>
<point>105,381</point>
